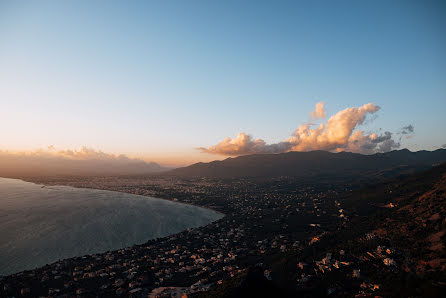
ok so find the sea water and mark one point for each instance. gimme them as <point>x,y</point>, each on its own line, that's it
<point>42,224</point>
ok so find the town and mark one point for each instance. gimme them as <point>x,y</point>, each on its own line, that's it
<point>264,220</point>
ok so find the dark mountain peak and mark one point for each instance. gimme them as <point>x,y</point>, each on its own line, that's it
<point>314,163</point>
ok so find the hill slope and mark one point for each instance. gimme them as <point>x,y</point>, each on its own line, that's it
<point>393,246</point>
<point>314,164</point>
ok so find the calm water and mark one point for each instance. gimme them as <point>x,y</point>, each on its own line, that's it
<point>40,225</point>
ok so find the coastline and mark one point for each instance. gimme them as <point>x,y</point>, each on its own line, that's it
<point>105,189</point>
<point>254,230</point>
<point>130,246</point>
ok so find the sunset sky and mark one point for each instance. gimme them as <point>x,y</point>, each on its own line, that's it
<point>170,81</point>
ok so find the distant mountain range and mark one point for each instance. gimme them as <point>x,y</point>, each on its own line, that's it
<point>315,164</point>
<point>23,166</point>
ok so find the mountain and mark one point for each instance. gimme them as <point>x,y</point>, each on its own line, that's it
<point>315,164</point>
<point>23,166</point>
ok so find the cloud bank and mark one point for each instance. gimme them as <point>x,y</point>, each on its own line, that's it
<point>85,161</point>
<point>338,133</point>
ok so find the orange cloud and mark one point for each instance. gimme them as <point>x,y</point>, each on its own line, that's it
<point>85,161</point>
<point>243,144</point>
<point>337,134</point>
<point>319,111</point>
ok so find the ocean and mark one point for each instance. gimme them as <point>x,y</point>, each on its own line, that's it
<point>42,224</point>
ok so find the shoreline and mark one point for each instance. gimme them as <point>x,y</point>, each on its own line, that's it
<point>103,189</point>
<point>255,229</point>
<point>48,185</point>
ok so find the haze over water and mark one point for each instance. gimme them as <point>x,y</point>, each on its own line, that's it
<point>40,225</point>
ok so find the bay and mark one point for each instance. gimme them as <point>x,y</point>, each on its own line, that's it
<point>42,224</point>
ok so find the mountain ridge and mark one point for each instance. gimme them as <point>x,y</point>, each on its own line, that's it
<point>310,164</point>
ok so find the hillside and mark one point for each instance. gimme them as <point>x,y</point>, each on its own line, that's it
<point>315,164</point>
<point>393,245</point>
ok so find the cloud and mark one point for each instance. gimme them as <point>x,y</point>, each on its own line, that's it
<point>406,132</point>
<point>337,134</point>
<point>85,161</point>
<point>319,111</point>
<point>369,144</point>
<point>332,135</point>
<point>244,144</point>
<point>407,129</point>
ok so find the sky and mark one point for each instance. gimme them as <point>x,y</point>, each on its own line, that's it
<point>171,81</point>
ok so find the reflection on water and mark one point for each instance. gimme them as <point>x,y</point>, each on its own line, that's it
<point>40,225</point>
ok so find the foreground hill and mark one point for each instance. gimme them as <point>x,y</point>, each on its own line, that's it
<point>279,237</point>
<point>315,164</point>
<point>393,245</point>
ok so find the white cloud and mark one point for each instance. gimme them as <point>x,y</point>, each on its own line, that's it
<point>337,134</point>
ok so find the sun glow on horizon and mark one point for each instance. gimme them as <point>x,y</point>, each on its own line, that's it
<point>154,81</point>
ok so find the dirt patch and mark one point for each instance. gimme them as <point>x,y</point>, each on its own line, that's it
<point>437,247</point>
<point>434,238</point>
<point>434,217</point>
<point>436,263</point>
<point>380,232</point>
